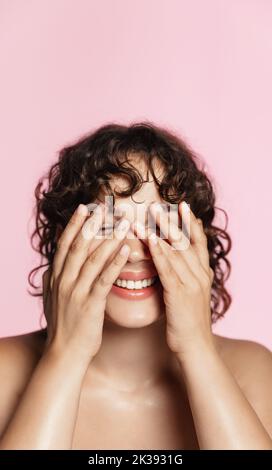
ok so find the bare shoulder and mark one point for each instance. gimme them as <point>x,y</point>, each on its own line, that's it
<point>19,356</point>
<point>25,348</point>
<point>244,357</point>
<point>251,365</point>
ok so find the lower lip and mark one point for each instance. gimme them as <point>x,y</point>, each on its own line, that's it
<point>135,294</point>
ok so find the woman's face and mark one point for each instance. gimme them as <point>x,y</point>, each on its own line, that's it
<point>142,305</point>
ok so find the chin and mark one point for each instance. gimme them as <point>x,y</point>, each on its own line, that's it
<point>131,313</point>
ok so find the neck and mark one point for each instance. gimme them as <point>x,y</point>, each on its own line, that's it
<point>132,358</point>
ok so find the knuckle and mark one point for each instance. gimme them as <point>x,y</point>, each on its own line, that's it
<point>169,269</point>
<point>61,244</point>
<point>62,288</point>
<point>92,258</point>
<point>76,296</point>
<point>104,280</point>
<point>118,260</point>
<point>74,220</point>
<point>75,246</point>
<point>171,273</point>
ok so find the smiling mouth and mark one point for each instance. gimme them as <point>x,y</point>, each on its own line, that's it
<point>129,284</point>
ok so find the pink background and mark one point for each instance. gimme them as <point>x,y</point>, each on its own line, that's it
<point>201,68</point>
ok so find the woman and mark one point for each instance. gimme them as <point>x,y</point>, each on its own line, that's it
<point>128,359</point>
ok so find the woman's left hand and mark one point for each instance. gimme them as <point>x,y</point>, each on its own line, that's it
<point>214,393</point>
<point>183,267</point>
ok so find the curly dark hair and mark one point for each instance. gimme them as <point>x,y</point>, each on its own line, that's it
<point>86,166</point>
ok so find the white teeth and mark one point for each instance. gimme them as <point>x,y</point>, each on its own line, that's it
<point>129,284</point>
<point>137,284</point>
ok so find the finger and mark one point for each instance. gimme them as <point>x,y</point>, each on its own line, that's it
<point>164,220</point>
<point>198,237</point>
<point>179,241</point>
<point>183,271</point>
<point>165,270</point>
<point>143,233</point>
<point>96,260</point>
<point>181,266</point>
<point>79,247</point>
<point>105,231</point>
<point>187,267</point>
<point>169,225</point>
<point>67,237</point>
<point>70,233</point>
<point>140,231</point>
<point>104,283</point>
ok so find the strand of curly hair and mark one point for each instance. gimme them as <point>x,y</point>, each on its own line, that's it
<point>86,166</point>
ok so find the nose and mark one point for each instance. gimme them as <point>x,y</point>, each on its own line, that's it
<point>139,250</point>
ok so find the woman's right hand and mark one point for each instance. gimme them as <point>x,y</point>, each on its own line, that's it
<point>75,288</point>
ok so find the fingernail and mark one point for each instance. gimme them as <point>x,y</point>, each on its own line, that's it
<point>82,209</point>
<point>124,250</point>
<point>153,238</point>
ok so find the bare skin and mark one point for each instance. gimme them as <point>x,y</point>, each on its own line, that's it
<point>165,421</point>
<point>153,377</point>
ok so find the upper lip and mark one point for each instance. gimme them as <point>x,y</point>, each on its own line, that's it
<point>138,275</point>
